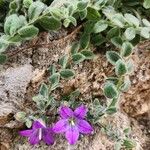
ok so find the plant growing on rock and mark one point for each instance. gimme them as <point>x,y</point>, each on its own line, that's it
<point>103,22</point>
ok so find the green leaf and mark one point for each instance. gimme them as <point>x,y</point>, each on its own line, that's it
<point>126,49</point>
<point>67,73</point>
<point>127,130</point>
<point>128,143</point>
<point>118,145</point>
<point>44,90</point>
<point>56,13</point>
<point>132,20</point>
<point>114,32</point>
<point>88,27</point>
<point>145,32</point>
<point>83,14</point>
<point>52,69</point>
<point>28,31</point>
<point>63,61</point>
<point>14,5</point>
<point>97,39</point>
<point>130,33</point>
<point>66,22</point>
<point>75,47</point>
<point>35,9</point>
<point>49,23</point>
<point>3,58</point>
<point>100,26</point>
<point>130,66</point>
<point>146,22</point>
<point>146,4</point>
<point>54,79</point>
<point>15,39</point>
<point>110,90</point>
<point>78,57</point>
<point>82,5</point>
<point>111,110</point>
<point>117,41</point>
<point>112,57</point>
<point>27,3</point>
<point>11,24</point>
<point>88,54</point>
<point>92,14</point>
<point>3,43</point>
<point>73,20</point>
<point>20,116</point>
<point>120,68</point>
<point>126,85</point>
<point>118,20</point>
<point>28,123</point>
<point>84,41</point>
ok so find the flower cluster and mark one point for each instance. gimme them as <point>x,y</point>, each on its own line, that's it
<point>71,123</point>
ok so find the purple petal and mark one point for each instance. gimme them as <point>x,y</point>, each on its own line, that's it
<point>26,133</point>
<point>84,126</point>
<point>72,135</point>
<point>80,112</point>
<point>65,112</point>
<point>34,138</point>
<point>38,124</point>
<point>47,136</point>
<point>61,126</point>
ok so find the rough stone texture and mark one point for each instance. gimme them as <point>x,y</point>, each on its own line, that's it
<point>14,82</point>
<point>137,100</point>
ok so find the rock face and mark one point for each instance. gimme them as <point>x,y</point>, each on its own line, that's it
<point>14,82</point>
<point>28,67</point>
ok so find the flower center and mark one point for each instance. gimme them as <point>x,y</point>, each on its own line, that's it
<point>72,121</point>
<point>40,133</point>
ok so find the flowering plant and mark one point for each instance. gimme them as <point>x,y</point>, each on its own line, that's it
<point>72,123</point>
<point>39,132</point>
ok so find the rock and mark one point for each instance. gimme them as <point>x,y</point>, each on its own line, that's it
<point>14,82</point>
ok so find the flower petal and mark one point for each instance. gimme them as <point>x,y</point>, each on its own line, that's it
<point>38,124</point>
<point>26,133</point>
<point>84,126</point>
<point>80,112</point>
<point>47,136</point>
<point>72,135</point>
<point>61,126</point>
<point>34,138</point>
<point>65,112</point>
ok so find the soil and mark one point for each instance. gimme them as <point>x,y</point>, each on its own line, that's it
<point>26,69</point>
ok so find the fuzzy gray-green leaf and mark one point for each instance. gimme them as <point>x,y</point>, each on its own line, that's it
<point>67,73</point>
<point>49,23</point>
<point>110,90</point>
<point>3,58</point>
<point>78,57</point>
<point>126,49</point>
<point>120,68</point>
<point>112,57</point>
<point>28,31</point>
<point>88,54</point>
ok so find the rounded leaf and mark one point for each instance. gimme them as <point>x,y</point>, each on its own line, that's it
<point>28,31</point>
<point>120,68</point>
<point>130,33</point>
<point>67,73</point>
<point>110,90</point>
<point>112,57</point>
<point>126,49</point>
<point>78,57</point>
<point>49,23</point>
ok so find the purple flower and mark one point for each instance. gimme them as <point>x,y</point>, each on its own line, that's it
<point>72,123</point>
<point>39,132</point>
